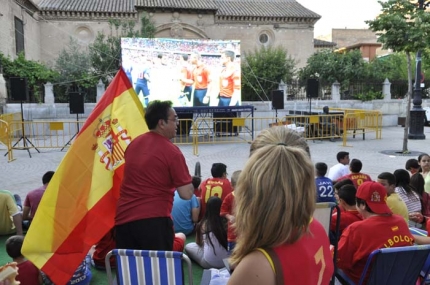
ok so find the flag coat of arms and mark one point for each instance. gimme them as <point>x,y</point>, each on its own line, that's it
<point>79,204</point>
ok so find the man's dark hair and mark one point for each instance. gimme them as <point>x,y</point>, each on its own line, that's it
<point>157,110</point>
<point>14,245</point>
<point>412,163</point>
<point>229,54</point>
<point>47,177</point>
<point>196,180</point>
<point>391,179</point>
<point>321,168</point>
<point>160,55</point>
<point>341,183</point>
<point>355,165</point>
<point>218,170</point>
<point>325,110</point>
<point>347,194</point>
<point>341,155</point>
<point>360,202</point>
<point>184,56</point>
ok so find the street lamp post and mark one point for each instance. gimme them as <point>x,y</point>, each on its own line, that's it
<point>417,114</point>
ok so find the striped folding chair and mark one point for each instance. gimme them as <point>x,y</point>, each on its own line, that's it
<point>148,267</point>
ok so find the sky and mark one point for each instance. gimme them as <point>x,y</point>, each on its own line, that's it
<point>340,14</point>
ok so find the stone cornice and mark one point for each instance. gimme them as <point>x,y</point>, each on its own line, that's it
<point>69,15</point>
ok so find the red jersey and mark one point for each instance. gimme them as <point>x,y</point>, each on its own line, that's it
<point>306,262</point>
<point>346,218</point>
<point>357,178</point>
<point>227,208</point>
<point>219,187</point>
<point>228,81</point>
<point>201,77</point>
<point>106,244</point>
<point>28,273</point>
<point>187,73</point>
<point>362,237</point>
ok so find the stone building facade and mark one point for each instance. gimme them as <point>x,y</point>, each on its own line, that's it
<point>49,24</point>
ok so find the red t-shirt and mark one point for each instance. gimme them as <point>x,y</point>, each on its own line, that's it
<point>227,208</point>
<point>228,81</point>
<point>362,237</point>
<point>219,187</point>
<point>28,273</point>
<point>33,198</point>
<point>307,261</point>
<point>357,178</point>
<point>154,168</point>
<point>346,218</point>
<point>201,77</point>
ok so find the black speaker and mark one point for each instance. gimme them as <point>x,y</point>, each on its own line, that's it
<point>278,99</point>
<point>312,87</point>
<point>18,88</point>
<point>76,103</point>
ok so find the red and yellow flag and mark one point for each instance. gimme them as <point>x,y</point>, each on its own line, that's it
<point>79,204</point>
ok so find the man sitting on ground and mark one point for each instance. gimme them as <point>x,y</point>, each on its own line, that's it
<point>394,202</point>
<point>356,176</point>
<point>11,217</point>
<point>325,191</point>
<point>359,239</point>
<point>340,169</point>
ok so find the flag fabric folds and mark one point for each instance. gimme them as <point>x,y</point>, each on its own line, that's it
<point>78,206</point>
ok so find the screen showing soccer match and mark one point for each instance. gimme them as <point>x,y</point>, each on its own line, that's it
<point>190,73</point>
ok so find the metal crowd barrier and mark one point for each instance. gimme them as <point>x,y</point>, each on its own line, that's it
<point>17,134</point>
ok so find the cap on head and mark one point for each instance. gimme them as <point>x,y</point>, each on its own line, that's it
<point>375,196</point>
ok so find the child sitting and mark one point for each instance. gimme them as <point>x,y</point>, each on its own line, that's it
<point>28,273</point>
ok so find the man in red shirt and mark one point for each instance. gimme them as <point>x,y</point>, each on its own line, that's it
<point>379,229</point>
<point>154,168</point>
<point>229,89</point>
<point>356,176</point>
<point>218,186</point>
<point>201,79</point>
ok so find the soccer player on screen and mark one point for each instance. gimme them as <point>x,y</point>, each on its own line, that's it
<point>229,93</point>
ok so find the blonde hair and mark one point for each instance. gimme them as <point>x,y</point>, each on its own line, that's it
<point>275,193</point>
<point>235,177</point>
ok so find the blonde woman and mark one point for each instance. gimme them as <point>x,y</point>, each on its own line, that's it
<point>278,240</point>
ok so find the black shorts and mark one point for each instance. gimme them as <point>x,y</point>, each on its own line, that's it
<point>146,234</point>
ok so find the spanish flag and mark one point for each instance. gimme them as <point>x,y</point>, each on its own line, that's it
<point>78,206</point>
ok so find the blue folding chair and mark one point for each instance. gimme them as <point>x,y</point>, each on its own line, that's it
<point>395,265</point>
<point>148,267</point>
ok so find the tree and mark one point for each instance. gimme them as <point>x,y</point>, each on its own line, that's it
<point>74,68</point>
<point>105,52</point>
<point>263,69</point>
<point>35,72</point>
<point>403,27</point>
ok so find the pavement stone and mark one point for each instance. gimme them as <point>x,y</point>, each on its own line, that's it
<point>25,174</point>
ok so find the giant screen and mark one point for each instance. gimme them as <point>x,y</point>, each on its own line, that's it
<point>189,73</point>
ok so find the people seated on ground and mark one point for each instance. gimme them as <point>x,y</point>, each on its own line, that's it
<point>408,195</point>
<point>340,169</point>
<point>11,216</point>
<point>274,215</point>
<point>185,214</point>
<point>356,176</point>
<point>33,198</point>
<point>210,247</point>
<point>394,202</point>
<point>412,166</point>
<point>227,211</point>
<point>28,273</point>
<point>325,191</point>
<point>378,229</point>
<point>424,162</point>
<point>101,249</point>
<point>417,182</point>
<point>218,186</point>
<point>349,213</point>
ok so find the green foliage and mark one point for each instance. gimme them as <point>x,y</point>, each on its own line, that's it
<point>36,73</point>
<point>331,66</point>
<point>392,66</point>
<point>369,95</point>
<point>105,52</point>
<point>263,69</point>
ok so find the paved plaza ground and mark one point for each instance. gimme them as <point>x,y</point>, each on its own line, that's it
<point>25,173</point>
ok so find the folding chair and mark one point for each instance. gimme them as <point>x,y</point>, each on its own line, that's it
<point>322,214</point>
<point>148,267</point>
<point>395,265</point>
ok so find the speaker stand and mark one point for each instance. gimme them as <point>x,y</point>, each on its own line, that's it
<point>77,128</point>
<point>310,105</point>
<point>24,138</point>
<point>276,114</point>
